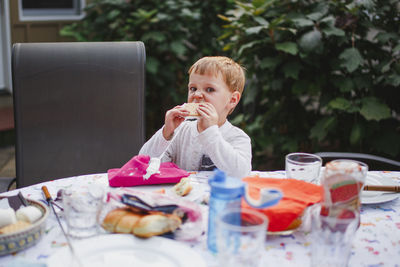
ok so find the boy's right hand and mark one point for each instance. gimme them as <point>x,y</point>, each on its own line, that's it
<point>173,118</point>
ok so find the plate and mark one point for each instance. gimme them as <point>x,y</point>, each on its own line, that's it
<point>127,250</point>
<point>375,197</point>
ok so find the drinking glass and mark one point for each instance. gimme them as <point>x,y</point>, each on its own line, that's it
<point>331,237</point>
<point>343,181</point>
<point>82,207</point>
<point>303,166</point>
<point>241,234</point>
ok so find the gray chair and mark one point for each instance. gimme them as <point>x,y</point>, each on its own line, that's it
<point>78,107</point>
<point>373,162</point>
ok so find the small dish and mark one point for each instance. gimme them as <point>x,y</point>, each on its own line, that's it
<point>25,238</point>
<point>375,197</point>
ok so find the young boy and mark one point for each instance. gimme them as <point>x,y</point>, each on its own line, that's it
<point>211,141</point>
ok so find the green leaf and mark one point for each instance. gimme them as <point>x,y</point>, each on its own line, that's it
<point>113,14</point>
<point>333,31</point>
<point>344,84</point>
<point>356,134</point>
<point>301,22</point>
<point>384,37</point>
<point>154,35</point>
<point>322,128</point>
<point>393,79</point>
<point>248,45</point>
<point>178,48</point>
<point>291,70</point>
<point>249,95</point>
<point>254,30</point>
<point>152,65</point>
<point>310,40</point>
<point>351,59</point>
<point>270,62</point>
<point>396,48</point>
<point>261,21</point>
<point>287,47</point>
<point>237,120</point>
<point>340,103</point>
<point>373,109</point>
<point>319,11</point>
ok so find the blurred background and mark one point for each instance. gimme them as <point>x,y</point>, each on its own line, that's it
<point>321,75</point>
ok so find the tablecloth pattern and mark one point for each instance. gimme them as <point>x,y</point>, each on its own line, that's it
<point>377,241</point>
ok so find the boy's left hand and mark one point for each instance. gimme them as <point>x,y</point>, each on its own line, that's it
<point>208,116</point>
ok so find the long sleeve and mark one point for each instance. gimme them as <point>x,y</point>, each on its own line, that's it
<point>229,149</point>
<point>155,146</point>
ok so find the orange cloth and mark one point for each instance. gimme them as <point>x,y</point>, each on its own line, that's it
<point>297,195</point>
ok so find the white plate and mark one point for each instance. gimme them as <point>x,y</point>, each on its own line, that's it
<point>127,250</point>
<point>374,197</point>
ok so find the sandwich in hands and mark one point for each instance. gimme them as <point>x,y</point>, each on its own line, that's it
<point>192,108</point>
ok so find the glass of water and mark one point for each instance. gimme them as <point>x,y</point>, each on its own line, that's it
<point>82,207</point>
<point>303,166</point>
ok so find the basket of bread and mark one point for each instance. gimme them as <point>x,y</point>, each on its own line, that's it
<point>22,223</point>
<point>147,214</point>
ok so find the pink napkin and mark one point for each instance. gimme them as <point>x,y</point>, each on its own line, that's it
<point>131,174</point>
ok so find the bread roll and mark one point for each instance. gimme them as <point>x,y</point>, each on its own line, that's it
<point>183,187</point>
<point>156,224</point>
<point>7,216</point>
<point>192,108</point>
<point>28,214</point>
<point>112,218</point>
<point>127,222</point>
<point>142,225</point>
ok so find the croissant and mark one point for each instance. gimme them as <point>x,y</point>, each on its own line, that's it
<point>142,225</point>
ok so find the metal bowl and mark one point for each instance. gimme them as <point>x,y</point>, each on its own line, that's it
<point>25,238</point>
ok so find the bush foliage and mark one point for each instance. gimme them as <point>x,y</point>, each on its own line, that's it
<point>322,75</point>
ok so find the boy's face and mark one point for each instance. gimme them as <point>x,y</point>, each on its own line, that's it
<point>212,89</point>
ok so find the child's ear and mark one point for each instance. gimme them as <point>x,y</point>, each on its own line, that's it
<point>235,97</point>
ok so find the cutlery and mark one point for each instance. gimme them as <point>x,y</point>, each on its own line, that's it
<point>51,203</point>
<point>389,188</point>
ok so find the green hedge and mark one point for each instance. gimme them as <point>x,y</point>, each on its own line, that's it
<point>322,75</point>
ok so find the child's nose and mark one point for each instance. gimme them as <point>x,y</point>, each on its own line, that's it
<point>198,94</point>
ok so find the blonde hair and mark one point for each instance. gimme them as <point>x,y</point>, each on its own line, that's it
<point>232,72</point>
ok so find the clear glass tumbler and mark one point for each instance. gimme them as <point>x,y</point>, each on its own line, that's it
<point>82,207</point>
<point>331,237</point>
<point>343,181</point>
<point>241,235</point>
<point>303,166</point>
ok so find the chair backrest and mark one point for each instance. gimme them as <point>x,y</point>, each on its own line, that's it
<point>373,162</point>
<point>79,107</point>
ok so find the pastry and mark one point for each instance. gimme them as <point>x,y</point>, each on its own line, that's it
<point>183,187</point>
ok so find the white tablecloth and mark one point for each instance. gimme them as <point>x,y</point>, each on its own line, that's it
<point>377,242</point>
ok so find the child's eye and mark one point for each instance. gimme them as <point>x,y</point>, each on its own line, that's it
<point>210,89</point>
<point>192,89</point>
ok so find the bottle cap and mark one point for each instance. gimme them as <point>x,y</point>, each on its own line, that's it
<point>222,184</point>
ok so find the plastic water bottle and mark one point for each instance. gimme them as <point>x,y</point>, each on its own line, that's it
<point>226,192</point>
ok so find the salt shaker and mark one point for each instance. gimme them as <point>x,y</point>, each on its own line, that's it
<point>226,192</point>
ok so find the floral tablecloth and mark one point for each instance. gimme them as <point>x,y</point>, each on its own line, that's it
<point>377,242</point>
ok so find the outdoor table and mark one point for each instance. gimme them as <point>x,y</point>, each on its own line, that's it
<point>377,241</point>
